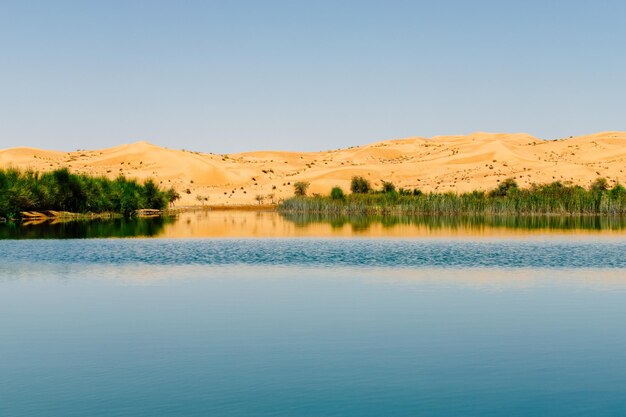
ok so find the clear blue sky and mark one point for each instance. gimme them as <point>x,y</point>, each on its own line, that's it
<point>226,76</point>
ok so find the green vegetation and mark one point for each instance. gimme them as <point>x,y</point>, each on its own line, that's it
<point>61,190</point>
<point>506,199</point>
<point>300,188</point>
<point>388,187</point>
<point>360,185</point>
<point>337,194</point>
<point>506,187</point>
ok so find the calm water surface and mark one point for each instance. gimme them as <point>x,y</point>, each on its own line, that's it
<point>447,326</point>
<point>236,224</point>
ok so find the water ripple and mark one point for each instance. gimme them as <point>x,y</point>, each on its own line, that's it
<point>320,252</point>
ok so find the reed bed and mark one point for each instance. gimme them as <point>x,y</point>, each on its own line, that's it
<point>549,199</point>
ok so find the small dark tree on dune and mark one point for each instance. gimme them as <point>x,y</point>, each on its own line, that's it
<point>360,185</point>
<point>202,199</point>
<point>300,188</point>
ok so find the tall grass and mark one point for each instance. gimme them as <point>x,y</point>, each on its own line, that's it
<point>554,198</point>
<point>61,190</point>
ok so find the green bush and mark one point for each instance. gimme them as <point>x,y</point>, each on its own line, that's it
<point>60,190</point>
<point>504,188</point>
<point>388,187</point>
<point>360,185</point>
<point>337,194</point>
<point>601,184</point>
<point>300,188</point>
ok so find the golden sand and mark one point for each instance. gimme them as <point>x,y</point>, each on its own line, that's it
<point>443,163</point>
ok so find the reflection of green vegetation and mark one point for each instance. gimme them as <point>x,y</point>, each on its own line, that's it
<point>120,227</point>
<point>507,199</point>
<point>460,222</point>
<point>61,190</point>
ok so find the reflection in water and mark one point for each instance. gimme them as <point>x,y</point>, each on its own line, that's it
<point>81,229</point>
<point>464,222</point>
<point>215,223</point>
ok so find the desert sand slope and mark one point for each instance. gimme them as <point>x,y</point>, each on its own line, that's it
<point>443,163</point>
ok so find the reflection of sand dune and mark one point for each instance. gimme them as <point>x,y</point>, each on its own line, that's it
<point>443,163</point>
<point>240,224</point>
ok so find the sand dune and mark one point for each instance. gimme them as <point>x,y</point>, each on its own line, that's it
<point>442,163</point>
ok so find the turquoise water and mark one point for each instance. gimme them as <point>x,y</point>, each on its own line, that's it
<point>313,327</point>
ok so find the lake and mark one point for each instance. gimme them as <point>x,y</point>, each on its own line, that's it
<point>257,314</point>
<point>265,224</point>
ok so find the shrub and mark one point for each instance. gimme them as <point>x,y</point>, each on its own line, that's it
<point>601,184</point>
<point>172,195</point>
<point>337,194</point>
<point>300,188</point>
<point>153,196</point>
<point>504,188</point>
<point>388,187</point>
<point>360,185</point>
<point>202,199</point>
<point>618,191</point>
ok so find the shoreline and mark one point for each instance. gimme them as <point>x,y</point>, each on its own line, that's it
<point>44,215</point>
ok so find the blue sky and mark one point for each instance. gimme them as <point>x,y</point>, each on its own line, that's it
<point>227,76</point>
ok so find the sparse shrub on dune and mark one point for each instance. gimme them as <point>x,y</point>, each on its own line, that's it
<point>300,188</point>
<point>202,199</point>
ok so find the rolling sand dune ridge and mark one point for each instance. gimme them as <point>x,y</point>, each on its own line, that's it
<point>442,163</point>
